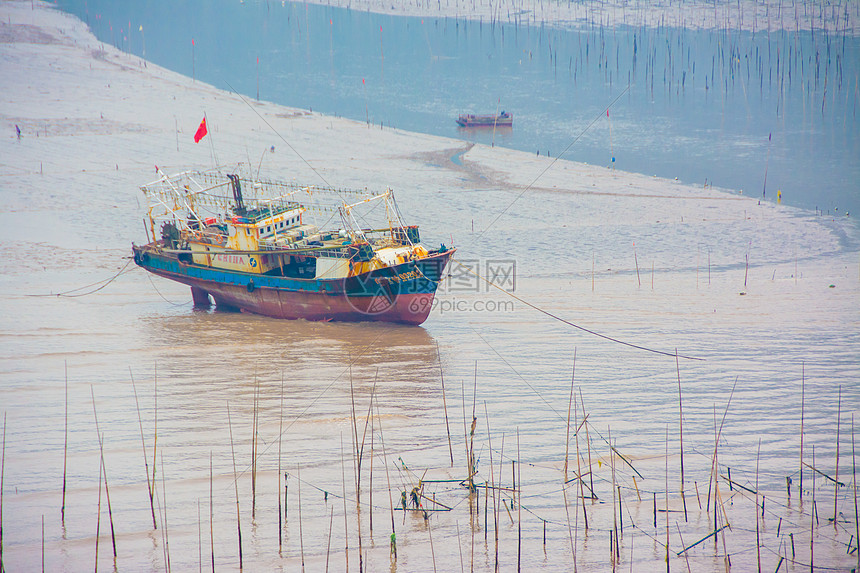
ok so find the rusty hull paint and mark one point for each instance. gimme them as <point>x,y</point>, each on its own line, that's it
<point>337,300</point>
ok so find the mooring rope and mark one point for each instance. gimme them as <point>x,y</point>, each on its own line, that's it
<point>103,284</point>
<point>569,323</point>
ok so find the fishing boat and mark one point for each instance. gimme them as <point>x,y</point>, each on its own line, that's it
<point>503,119</point>
<point>248,244</point>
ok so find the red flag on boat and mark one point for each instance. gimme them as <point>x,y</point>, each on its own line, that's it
<point>201,131</point>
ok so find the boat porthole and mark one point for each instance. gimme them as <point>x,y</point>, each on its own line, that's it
<point>251,285</point>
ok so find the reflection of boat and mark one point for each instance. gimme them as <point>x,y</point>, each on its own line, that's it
<point>312,345</point>
<point>503,119</point>
<point>258,254</point>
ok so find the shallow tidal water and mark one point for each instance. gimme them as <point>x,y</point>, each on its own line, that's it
<point>511,364</point>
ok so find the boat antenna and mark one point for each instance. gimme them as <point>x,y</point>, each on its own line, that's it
<point>237,193</point>
<point>397,215</point>
<point>299,155</point>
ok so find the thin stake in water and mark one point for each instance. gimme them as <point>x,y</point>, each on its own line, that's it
<point>254,448</point>
<point>681,432</point>
<point>280,439</point>
<point>65,449</point>
<point>236,484</point>
<point>163,495</point>
<point>836,476</point>
<point>445,404</point>
<point>802,403</point>
<point>104,472</point>
<point>301,537</point>
<point>143,445</point>
<point>211,514</point>
<point>2,476</point>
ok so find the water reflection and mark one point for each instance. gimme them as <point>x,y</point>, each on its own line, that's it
<point>210,342</point>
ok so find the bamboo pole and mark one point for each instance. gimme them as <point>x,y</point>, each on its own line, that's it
<point>355,458</point>
<point>836,476</point>
<point>445,404</point>
<point>579,474</point>
<point>460,547</point>
<point>393,544</point>
<point>486,504</point>
<point>345,515</point>
<point>588,443</point>
<point>430,534</point>
<point>681,432</point>
<point>104,472</point>
<point>681,537</point>
<point>636,259</point>
<point>2,477</point>
<point>519,505</point>
<point>368,422</point>
<point>65,449</point>
<point>99,515</point>
<point>356,464</point>
<point>472,469</point>
<point>472,490</point>
<point>466,446</point>
<point>802,403</point>
<point>668,568</point>
<point>813,520</point>
<point>757,527</point>
<point>853,480</point>
<point>236,485</point>
<point>280,473</point>
<point>155,424</point>
<point>301,536</point>
<point>569,408</point>
<point>493,486</point>
<point>717,433</point>
<point>498,507</point>
<point>372,455</point>
<point>358,516</point>
<point>211,514</point>
<point>254,448</point>
<point>143,446</point>
<point>613,547</point>
<point>164,519</point>
<point>727,560</point>
<point>328,543</point>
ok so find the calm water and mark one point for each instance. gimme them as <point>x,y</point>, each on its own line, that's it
<point>509,365</point>
<point>758,112</point>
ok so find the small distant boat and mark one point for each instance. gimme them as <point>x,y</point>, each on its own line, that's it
<point>503,119</point>
<point>259,254</point>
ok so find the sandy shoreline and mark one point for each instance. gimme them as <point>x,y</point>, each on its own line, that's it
<point>94,123</point>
